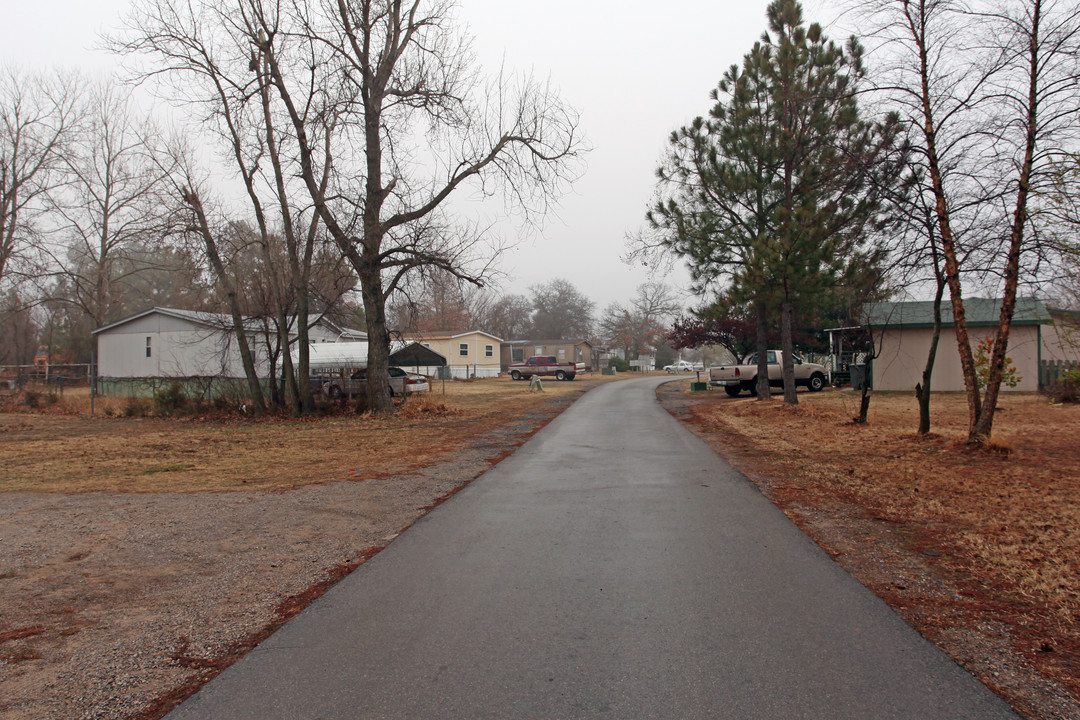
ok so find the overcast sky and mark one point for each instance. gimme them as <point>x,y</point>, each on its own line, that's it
<point>636,70</point>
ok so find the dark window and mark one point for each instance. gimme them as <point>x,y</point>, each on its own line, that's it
<point>489,351</point>
<point>147,347</point>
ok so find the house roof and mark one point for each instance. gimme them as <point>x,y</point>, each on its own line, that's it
<point>978,311</point>
<point>317,319</point>
<point>326,356</point>
<point>420,337</point>
<point>569,341</point>
<point>208,319</point>
<point>223,321</point>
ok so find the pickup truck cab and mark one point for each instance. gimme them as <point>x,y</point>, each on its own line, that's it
<point>545,366</point>
<point>736,378</point>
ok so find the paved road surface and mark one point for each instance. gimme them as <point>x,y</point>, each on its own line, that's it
<point>614,567</point>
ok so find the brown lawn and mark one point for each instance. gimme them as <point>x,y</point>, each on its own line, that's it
<point>61,449</point>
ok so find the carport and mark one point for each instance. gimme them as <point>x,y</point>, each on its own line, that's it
<point>339,357</point>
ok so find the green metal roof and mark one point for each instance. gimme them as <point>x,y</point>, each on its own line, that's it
<point>979,311</point>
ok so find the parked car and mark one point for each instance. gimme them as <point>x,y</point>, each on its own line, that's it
<point>355,384</point>
<point>413,382</point>
<point>682,366</point>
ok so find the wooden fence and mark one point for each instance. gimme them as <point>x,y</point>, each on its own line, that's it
<point>1051,370</point>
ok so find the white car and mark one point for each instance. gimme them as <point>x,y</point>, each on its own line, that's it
<point>414,382</point>
<point>681,366</point>
<point>400,381</point>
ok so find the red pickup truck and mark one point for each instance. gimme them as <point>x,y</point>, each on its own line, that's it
<point>545,366</point>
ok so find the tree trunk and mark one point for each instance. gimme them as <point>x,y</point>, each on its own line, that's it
<point>922,391</point>
<point>787,346</point>
<point>864,404</point>
<point>980,431</point>
<point>948,246</point>
<point>378,363</point>
<point>247,358</point>
<point>763,390</point>
<point>303,346</point>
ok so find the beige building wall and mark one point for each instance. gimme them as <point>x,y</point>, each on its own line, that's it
<point>1061,341</point>
<point>472,354</point>
<point>904,351</point>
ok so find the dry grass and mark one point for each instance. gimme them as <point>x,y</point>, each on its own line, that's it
<point>1005,518</point>
<point>59,448</point>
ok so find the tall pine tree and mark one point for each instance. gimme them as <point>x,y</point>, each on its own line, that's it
<point>780,192</point>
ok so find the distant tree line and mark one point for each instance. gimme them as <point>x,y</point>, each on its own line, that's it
<point>555,310</point>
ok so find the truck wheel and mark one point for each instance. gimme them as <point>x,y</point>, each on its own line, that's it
<point>560,375</point>
<point>515,375</point>
<point>817,382</point>
<point>733,391</point>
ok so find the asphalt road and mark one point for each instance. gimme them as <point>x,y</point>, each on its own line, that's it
<point>613,567</point>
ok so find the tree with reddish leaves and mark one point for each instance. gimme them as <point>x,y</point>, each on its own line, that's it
<point>736,335</point>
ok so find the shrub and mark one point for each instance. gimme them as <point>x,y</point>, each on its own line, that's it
<point>170,400</point>
<point>31,398</point>
<point>136,407</point>
<point>619,364</point>
<point>51,398</point>
<point>1066,389</point>
<point>1010,377</point>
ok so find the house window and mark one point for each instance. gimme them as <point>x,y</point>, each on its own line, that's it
<point>562,354</point>
<point>489,351</point>
<point>538,350</point>
<point>517,355</point>
<point>147,347</point>
<point>463,349</point>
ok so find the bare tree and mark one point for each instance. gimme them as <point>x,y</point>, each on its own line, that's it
<point>1006,75</point>
<point>37,114</point>
<point>18,330</point>
<point>560,311</point>
<point>508,316</point>
<point>386,120</point>
<point>642,325</point>
<point>198,221</point>
<point>212,67</point>
<point>110,207</point>
<point>433,300</point>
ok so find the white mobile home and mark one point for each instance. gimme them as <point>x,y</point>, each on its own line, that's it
<point>171,343</point>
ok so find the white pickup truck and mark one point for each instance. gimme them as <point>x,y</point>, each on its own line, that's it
<point>736,378</point>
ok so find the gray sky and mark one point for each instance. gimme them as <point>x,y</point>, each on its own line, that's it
<point>636,70</point>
